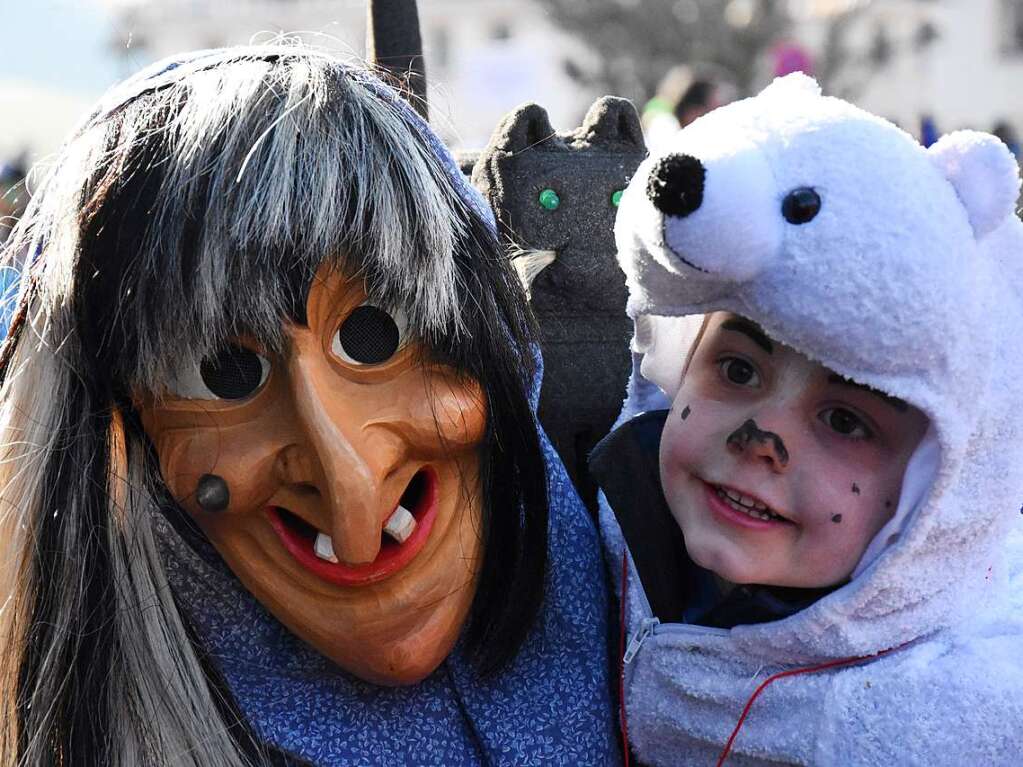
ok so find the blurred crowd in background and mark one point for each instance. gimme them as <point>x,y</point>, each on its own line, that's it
<point>931,66</point>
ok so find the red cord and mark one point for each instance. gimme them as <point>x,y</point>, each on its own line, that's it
<point>792,672</point>
<point>621,667</point>
<point>749,704</point>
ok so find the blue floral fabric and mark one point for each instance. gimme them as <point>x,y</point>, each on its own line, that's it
<point>551,706</point>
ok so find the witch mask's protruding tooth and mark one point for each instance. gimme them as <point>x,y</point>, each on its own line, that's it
<point>400,525</point>
<point>324,548</point>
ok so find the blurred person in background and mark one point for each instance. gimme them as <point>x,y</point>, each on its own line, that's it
<point>685,93</point>
<point>1007,133</point>
<point>13,195</point>
<point>13,201</point>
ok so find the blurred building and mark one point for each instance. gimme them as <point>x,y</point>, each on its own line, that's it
<point>483,57</point>
<point>959,62</point>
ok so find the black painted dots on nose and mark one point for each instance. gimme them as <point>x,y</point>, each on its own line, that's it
<point>749,432</point>
<point>675,185</point>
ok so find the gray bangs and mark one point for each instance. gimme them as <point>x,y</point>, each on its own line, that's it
<point>219,195</point>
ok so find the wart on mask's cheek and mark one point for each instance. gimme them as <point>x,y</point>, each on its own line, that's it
<point>685,413</point>
<point>212,470</point>
<point>212,493</point>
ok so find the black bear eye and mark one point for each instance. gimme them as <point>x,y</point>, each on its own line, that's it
<point>231,373</point>
<point>369,335</point>
<point>801,205</point>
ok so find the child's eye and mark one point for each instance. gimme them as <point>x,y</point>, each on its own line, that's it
<point>231,373</point>
<point>738,371</point>
<point>845,422</point>
<point>369,335</point>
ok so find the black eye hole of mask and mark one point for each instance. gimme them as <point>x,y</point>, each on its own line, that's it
<point>233,372</point>
<point>369,335</point>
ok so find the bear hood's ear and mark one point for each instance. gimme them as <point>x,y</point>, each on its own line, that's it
<point>984,174</point>
<point>613,120</point>
<point>524,127</point>
<point>794,85</point>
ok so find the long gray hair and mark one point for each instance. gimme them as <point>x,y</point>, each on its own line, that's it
<point>194,205</point>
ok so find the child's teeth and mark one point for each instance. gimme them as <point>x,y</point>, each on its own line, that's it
<point>745,504</point>
<point>324,548</point>
<point>400,525</point>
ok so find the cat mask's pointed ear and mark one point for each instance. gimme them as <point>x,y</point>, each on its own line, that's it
<point>522,128</point>
<point>613,120</point>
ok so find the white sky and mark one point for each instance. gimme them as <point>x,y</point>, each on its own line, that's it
<point>56,58</point>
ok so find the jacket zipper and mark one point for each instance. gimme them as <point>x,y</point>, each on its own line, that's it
<point>646,628</point>
<point>651,625</point>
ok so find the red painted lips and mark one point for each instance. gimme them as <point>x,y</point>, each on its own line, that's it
<point>393,556</point>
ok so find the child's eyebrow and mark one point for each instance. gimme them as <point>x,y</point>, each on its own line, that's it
<point>895,402</point>
<point>750,329</point>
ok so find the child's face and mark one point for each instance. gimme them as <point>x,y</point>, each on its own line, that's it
<point>756,424</point>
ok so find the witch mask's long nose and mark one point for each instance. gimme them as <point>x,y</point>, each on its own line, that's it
<point>343,455</point>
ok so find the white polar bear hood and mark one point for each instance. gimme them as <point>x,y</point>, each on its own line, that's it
<point>909,279</point>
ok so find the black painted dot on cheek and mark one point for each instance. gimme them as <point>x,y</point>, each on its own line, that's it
<point>685,412</point>
<point>855,489</point>
<point>837,519</point>
<point>888,505</point>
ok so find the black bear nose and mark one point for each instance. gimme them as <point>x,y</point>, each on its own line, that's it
<point>675,186</point>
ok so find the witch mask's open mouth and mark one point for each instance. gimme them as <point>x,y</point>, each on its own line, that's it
<point>404,533</point>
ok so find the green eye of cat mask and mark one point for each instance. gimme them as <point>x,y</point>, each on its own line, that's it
<point>549,199</point>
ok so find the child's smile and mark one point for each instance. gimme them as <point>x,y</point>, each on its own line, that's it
<point>778,470</point>
<point>742,508</point>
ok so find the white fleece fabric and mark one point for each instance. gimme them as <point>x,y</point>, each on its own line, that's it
<point>910,280</point>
